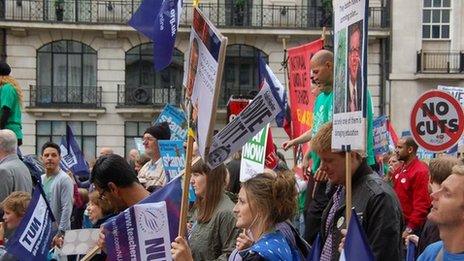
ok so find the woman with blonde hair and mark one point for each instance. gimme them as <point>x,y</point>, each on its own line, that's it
<point>11,99</point>
<point>213,233</point>
<point>265,203</point>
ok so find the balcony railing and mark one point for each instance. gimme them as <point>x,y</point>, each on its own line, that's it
<point>147,96</point>
<point>76,97</point>
<point>222,15</point>
<point>440,62</point>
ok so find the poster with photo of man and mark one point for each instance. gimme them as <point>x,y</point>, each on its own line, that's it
<point>350,75</point>
<point>202,79</point>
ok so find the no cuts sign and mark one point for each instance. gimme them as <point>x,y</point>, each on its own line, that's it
<point>437,121</point>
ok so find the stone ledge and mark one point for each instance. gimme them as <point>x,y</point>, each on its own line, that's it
<point>64,112</point>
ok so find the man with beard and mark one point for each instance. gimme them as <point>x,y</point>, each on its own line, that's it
<point>411,182</point>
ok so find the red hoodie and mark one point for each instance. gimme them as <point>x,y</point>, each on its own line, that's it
<point>411,183</point>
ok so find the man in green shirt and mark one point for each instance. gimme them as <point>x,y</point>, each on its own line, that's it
<point>11,97</point>
<point>322,77</point>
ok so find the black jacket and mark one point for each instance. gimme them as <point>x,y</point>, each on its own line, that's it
<point>379,211</point>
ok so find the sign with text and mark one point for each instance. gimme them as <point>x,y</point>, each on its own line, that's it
<point>301,97</point>
<point>261,111</point>
<point>145,231</point>
<point>254,155</point>
<point>32,239</point>
<point>437,121</point>
<point>235,106</point>
<point>173,156</point>
<point>381,136</point>
<point>350,75</point>
<point>202,78</point>
<point>176,119</point>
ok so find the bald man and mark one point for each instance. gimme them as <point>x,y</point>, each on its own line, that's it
<point>106,151</point>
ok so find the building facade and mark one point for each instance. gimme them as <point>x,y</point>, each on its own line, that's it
<point>79,63</point>
<point>427,51</point>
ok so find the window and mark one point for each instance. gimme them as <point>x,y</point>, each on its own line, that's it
<point>144,85</point>
<point>85,133</point>
<point>66,74</point>
<point>240,71</point>
<point>436,19</point>
<point>133,129</point>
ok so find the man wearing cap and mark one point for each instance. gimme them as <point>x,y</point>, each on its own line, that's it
<point>11,98</point>
<point>152,175</point>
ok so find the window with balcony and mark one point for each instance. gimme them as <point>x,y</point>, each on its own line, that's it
<point>133,129</point>
<point>436,19</point>
<point>66,76</point>
<point>144,86</point>
<point>85,133</point>
<point>240,76</point>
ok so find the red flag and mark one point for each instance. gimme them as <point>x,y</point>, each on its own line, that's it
<point>271,155</point>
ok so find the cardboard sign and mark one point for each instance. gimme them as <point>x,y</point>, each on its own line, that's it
<point>437,121</point>
<point>350,75</point>
<point>254,155</point>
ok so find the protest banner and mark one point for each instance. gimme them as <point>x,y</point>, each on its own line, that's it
<point>437,121</point>
<point>251,120</point>
<point>235,106</point>
<point>176,119</point>
<point>71,155</point>
<point>301,97</point>
<point>173,156</point>
<point>350,82</point>
<point>381,136</point>
<point>145,231</point>
<point>32,239</point>
<point>254,155</point>
<point>159,21</point>
<point>202,78</point>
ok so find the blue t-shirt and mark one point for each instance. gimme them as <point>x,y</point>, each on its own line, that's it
<point>431,252</point>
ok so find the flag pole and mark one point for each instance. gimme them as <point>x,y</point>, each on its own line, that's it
<point>348,188</point>
<point>185,187</point>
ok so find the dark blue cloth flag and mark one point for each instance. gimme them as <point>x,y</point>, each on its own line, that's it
<point>411,252</point>
<point>71,155</point>
<point>266,74</point>
<point>32,239</point>
<point>316,249</point>
<point>159,21</point>
<point>146,230</point>
<point>356,246</point>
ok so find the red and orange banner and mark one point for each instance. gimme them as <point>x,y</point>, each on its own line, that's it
<point>301,98</point>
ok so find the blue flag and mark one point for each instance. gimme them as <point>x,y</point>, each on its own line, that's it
<point>316,249</point>
<point>411,252</point>
<point>32,239</point>
<point>145,231</point>
<point>266,75</point>
<point>356,247</point>
<point>71,155</point>
<point>159,21</point>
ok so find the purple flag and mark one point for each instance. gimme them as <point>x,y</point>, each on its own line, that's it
<point>71,155</point>
<point>159,21</point>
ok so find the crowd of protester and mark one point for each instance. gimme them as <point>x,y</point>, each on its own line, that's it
<point>275,215</point>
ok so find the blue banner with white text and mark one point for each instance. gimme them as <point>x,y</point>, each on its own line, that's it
<point>32,239</point>
<point>145,231</point>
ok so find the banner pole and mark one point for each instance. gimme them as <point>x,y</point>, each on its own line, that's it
<point>91,253</point>
<point>348,197</point>
<point>185,187</point>
<point>324,30</point>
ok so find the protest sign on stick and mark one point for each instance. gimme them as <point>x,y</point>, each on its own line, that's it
<point>254,155</point>
<point>350,82</point>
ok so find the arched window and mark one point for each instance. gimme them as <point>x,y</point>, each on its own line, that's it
<point>66,74</point>
<point>240,71</point>
<point>144,86</point>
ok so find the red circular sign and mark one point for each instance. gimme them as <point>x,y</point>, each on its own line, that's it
<point>437,121</point>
